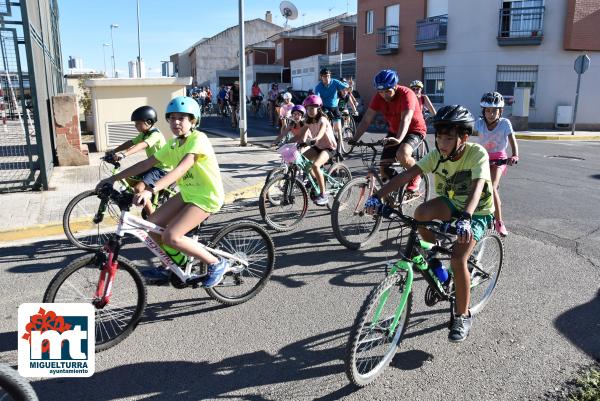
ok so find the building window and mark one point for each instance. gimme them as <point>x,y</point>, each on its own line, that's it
<point>521,18</point>
<point>370,17</point>
<point>434,79</point>
<point>278,51</point>
<point>392,19</point>
<point>509,77</point>
<point>333,42</point>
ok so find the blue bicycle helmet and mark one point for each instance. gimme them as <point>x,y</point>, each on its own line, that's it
<point>183,104</point>
<point>385,79</point>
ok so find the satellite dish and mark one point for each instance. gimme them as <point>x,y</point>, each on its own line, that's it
<point>288,10</point>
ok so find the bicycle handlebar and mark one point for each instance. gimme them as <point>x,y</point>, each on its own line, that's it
<point>501,162</point>
<point>124,199</point>
<point>110,159</point>
<point>443,228</point>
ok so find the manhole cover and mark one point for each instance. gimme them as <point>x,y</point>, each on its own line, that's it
<point>565,157</point>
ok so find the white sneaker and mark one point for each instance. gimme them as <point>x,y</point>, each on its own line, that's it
<point>322,200</point>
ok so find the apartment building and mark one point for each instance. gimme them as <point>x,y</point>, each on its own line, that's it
<point>472,46</point>
<point>385,38</point>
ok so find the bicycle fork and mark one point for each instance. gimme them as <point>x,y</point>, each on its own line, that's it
<point>108,271</point>
<point>401,265</point>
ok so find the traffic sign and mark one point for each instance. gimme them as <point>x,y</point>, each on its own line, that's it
<point>582,63</point>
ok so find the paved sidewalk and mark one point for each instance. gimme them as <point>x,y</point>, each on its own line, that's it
<point>38,214</point>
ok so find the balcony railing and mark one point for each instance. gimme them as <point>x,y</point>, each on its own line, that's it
<point>432,33</point>
<point>521,26</point>
<point>388,39</point>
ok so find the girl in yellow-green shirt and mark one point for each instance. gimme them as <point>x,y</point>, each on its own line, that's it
<point>196,170</point>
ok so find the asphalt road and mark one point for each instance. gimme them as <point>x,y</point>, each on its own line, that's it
<point>540,327</point>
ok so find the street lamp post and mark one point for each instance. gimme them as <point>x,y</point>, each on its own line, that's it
<point>242,78</point>
<point>104,45</point>
<point>112,45</point>
<point>139,63</point>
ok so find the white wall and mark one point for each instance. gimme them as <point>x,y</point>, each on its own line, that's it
<point>309,79</point>
<point>437,7</point>
<point>472,55</point>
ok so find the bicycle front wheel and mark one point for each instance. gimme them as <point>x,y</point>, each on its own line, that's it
<point>373,343</point>
<point>283,203</point>
<point>339,175</point>
<point>485,264</point>
<point>14,387</point>
<point>88,223</point>
<point>116,320</point>
<point>251,243</point>
<point>352,225</point>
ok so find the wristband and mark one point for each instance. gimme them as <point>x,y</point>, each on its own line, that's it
<point>123,155</point>
<point>466,216</point>
<point>152,189</point>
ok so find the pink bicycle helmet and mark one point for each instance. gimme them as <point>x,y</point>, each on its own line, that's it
<point>312,100</point>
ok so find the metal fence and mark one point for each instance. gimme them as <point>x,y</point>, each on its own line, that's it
<point>30,73</point>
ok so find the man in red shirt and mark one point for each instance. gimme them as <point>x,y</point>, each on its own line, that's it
<point>406,126</point>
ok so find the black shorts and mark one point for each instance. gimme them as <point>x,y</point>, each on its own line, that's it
<point>411,138</point>
<point>335,112</point>
<point>330,152</point>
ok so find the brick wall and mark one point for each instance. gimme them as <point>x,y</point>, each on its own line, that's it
<point>69,150</point>
<point>294,49</point>
<point>407,61</point>
<point>581,25</point>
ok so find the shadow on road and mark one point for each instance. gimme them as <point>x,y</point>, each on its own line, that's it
<point>581,326</point>
<point>319,356</point>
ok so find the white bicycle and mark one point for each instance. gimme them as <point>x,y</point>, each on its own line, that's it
<point>119,307</point>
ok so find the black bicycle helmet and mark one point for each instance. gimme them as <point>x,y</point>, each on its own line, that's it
<point>452,116</point>
<point>145,113</point>
<point>324,71</point>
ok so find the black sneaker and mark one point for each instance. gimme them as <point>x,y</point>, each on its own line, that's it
<point>460,328</point>
<point>156,276</point>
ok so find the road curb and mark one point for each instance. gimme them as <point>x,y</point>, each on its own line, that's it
<point>234,137</point>
<point>53,229</point>
<point>539,137</point>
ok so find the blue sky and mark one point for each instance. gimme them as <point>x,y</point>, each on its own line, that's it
<point>166,27</point>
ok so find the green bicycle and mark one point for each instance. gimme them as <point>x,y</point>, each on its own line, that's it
<point>283,201</point>
<point>384,315</point>
<point>88,220</point>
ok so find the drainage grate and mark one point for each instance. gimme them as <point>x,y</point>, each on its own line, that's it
<point>564,157</point>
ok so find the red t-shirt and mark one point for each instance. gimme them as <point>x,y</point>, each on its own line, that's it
<point>404,99</point>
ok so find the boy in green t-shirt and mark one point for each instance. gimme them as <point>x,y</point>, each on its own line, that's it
<point>463,183</point>
<point>149,139</point>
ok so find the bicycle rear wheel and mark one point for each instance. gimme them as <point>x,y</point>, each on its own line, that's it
<point>251,243</point>
<point>352,226</point>
<point>372,344</point>
<point>283,203</point>
<point>79,225</point>
<point>485,264</point>
<point>339,175</point>
<point>77,283</point>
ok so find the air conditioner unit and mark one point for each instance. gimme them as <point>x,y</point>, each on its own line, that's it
<point>564,115</point>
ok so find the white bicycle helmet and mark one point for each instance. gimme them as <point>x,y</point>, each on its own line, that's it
<point>492,99</point>
<point>416,84</point>
<point>287,95</point>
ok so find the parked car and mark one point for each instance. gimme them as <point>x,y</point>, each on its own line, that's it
<point>298,96</point>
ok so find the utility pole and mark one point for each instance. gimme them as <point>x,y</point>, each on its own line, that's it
<point>139,63</point>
